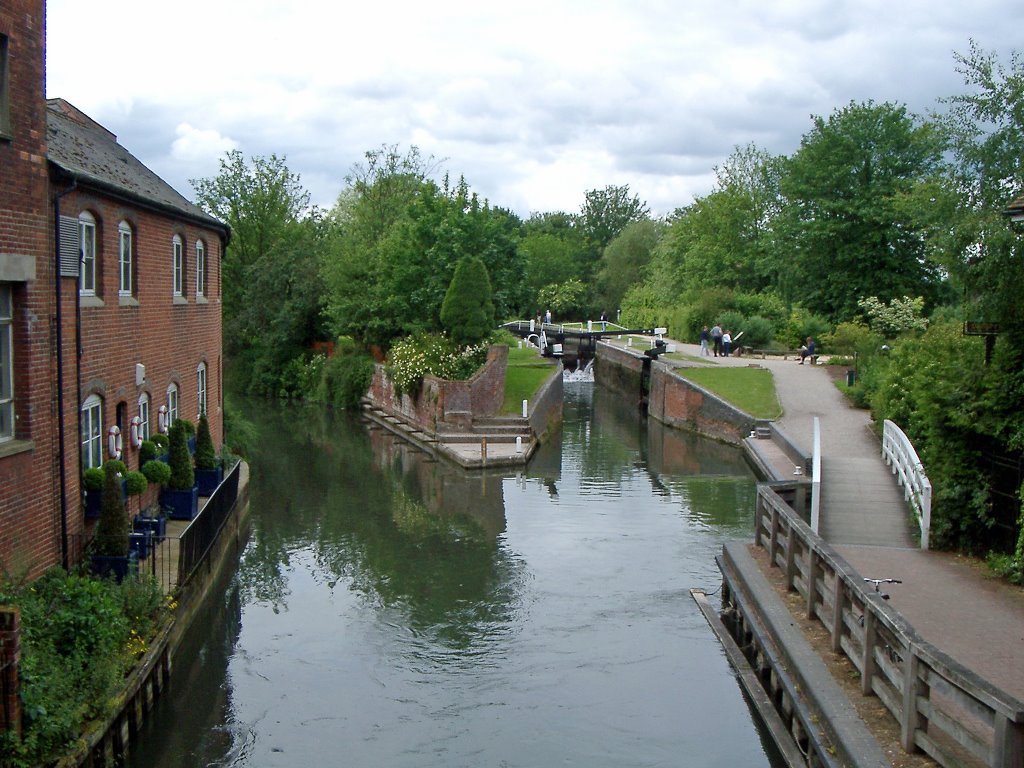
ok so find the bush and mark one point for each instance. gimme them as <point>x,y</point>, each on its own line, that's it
<point>112,529</point>
<point>414,357</point>
<point>206,455</point>
<point>344,379</point>
<point>92,479</point>
<point>75,641</point>
<point>182,475</point>
<point>467,312</point>
<point>758,332</point>
<point>157,472</point>
<point>147,451</point>
<point>136,483</point>
<point>119,466</point>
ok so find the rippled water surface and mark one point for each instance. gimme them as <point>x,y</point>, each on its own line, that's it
<point>390,610</point>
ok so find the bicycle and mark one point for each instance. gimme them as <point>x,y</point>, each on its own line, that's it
<point>879,582</point>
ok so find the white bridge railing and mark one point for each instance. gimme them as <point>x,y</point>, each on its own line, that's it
<point>898,451</point>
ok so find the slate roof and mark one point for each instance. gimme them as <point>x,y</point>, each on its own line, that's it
<point>83,148</point>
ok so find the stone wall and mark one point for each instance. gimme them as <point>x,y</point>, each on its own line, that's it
<point>680,403</point>
<point>446,406</point>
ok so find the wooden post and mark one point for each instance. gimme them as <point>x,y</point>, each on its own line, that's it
<point>790,556</point>
<point>867,671</point>
<point>910,720</point>
<point>10,656</point>
<point>1007,743</point>
<point>773,537</point>
<point>812,580</point>
<point>837,613</point>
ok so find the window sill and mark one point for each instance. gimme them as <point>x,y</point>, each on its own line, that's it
<point>177,300</point>
<point>12,447</point>
<point>90,300</point>
<point>202,299</point>
<point>127,301</point>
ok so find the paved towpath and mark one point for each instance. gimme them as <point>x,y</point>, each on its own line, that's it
<point>949,600</point>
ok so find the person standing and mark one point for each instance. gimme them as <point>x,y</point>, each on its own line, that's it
<point>547,317</point>
<point>726,342</point>
<point>716,339</point>
<point>705,336</point>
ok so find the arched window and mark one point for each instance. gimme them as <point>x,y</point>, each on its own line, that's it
<point>200,268</point>
<point>92,432</point>
<point>144,416</point>
<point>172,404</point>
<point>201,387</point>
<point>178,264</point>
<point>124,239</point>
<point>87,245</point>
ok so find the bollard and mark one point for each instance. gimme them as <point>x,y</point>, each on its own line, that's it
<point>525,409</point>
<point>519,444</point>
<point>483,448</point>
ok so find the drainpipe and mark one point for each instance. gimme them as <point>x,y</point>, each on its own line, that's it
<point>62,449</point>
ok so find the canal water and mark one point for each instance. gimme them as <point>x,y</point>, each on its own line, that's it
<point>392,610</point>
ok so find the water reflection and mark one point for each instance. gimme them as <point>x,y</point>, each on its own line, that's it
<point>398,611</point>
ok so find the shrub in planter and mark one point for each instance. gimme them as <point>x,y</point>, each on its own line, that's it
<point>181,495</point>
<point>119,467</point>
<point>92,481</point>
<point>206,454</point>
<point>161,441</point>
<point>136,483</point>
<point>209,472</point>
<point>112,530</point>
<point>157,472</point>
<point>147,451</point>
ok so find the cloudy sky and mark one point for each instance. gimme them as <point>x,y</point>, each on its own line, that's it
<point>533,102</point>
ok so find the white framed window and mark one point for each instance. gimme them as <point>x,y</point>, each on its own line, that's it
<point>200,268</point>
<point>172,404</point>
<point>177,264</point>
<point>124,239</point>
<point>144,416</point>
<point>6,362</point>
<point>92,432</point>
<point>201,387</point>
<point>87,244</point>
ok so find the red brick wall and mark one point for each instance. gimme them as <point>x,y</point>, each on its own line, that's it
<point>170,336</point>
<point>29,488</point>
<point>442,405</point>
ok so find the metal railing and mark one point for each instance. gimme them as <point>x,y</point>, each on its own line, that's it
<point>201,534</point>
<point>941,707</point>
<point>898,451</point>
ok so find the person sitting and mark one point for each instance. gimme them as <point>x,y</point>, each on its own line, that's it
<point>807,350</point>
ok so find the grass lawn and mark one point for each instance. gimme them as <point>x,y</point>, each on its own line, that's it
<point>527,370</point>
<point>749,389</point>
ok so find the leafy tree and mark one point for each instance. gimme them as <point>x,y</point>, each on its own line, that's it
<point>271,282</point>
<point>394,285</point>
<point>606,212</point>
<point>625,259</point>
<point>846,232</point>
<point>564,299</point>
<point>892,319</point>
<point>467,312</point>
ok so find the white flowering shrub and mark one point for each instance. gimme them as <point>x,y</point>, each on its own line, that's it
<point>414,357</point>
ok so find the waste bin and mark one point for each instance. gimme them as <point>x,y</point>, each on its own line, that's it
<point>851,377</point>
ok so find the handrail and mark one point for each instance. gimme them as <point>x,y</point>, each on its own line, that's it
<point>898,451</point>
<point>926,691</point>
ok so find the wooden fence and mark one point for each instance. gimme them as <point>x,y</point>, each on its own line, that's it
<point>942,708</point>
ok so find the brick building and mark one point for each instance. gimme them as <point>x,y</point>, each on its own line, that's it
<point>110,304</point>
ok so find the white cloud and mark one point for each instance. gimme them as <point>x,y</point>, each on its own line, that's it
<point>195,145</point>
<point>534,103</point>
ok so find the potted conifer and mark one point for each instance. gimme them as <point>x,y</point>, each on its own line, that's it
<point>209,471</point>
<point>180,495</point>
<point>92,481</point>
<point>111,551</point>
